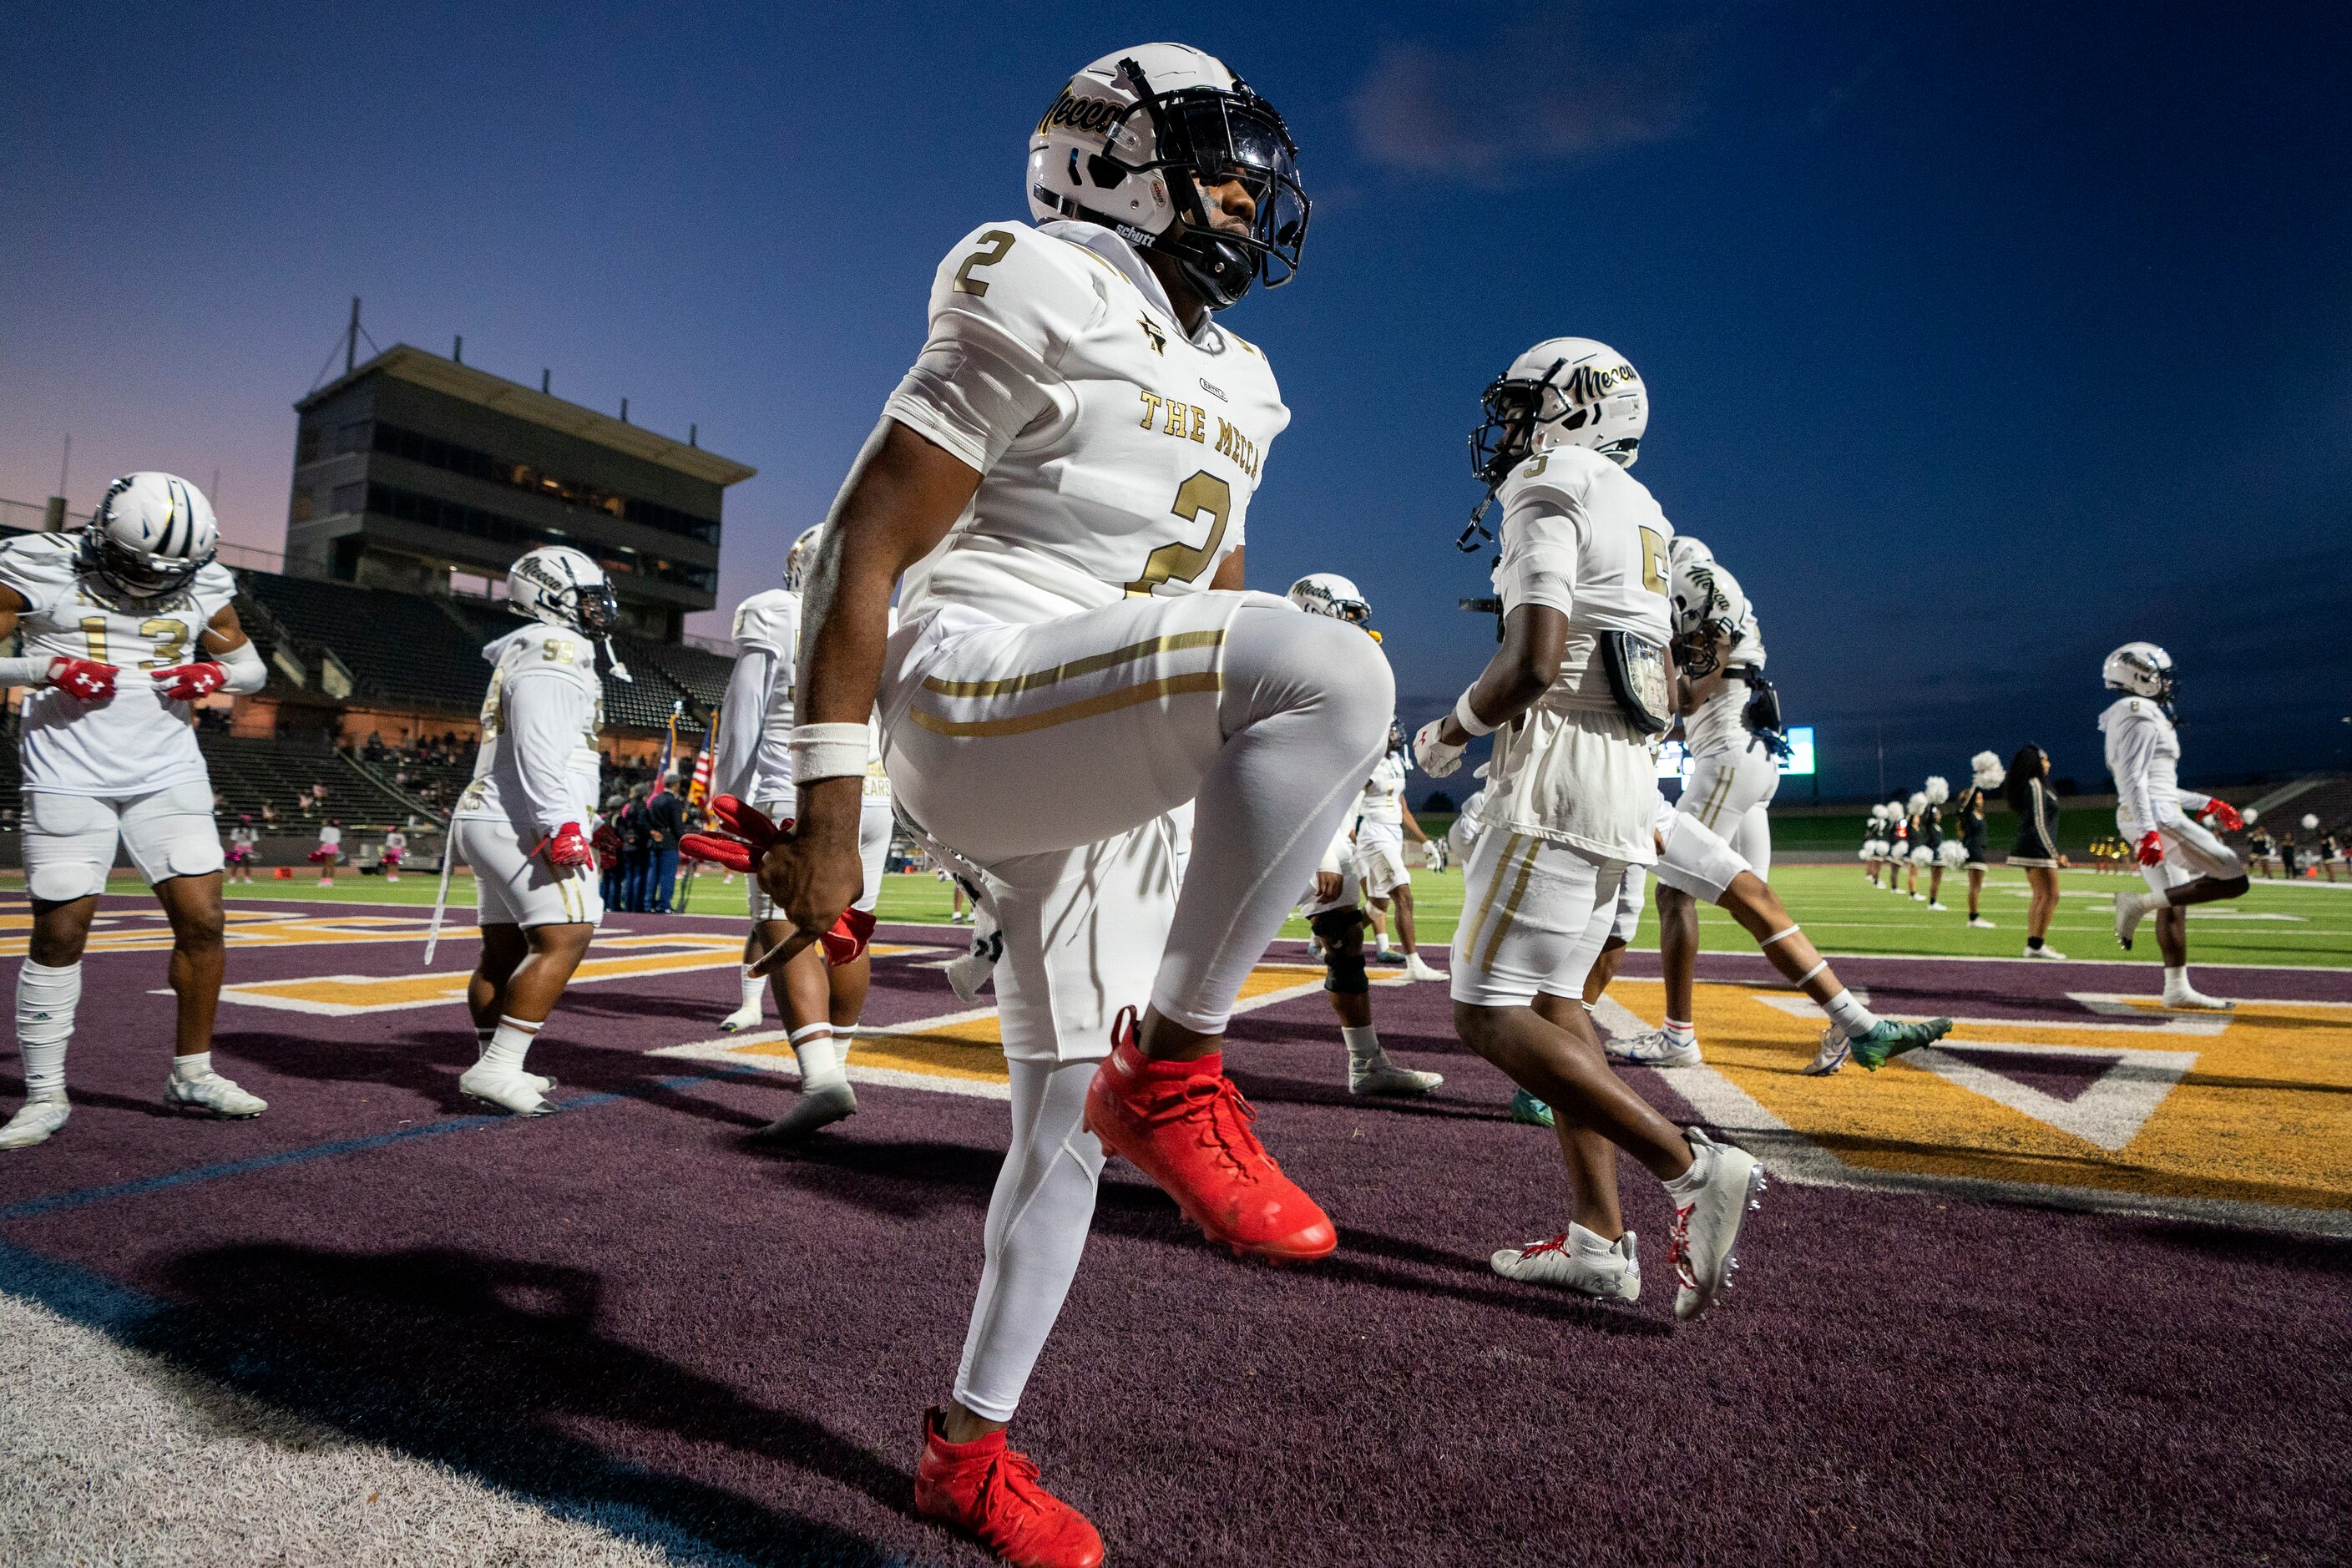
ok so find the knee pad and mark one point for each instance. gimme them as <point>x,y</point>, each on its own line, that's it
<point>1341,931</point>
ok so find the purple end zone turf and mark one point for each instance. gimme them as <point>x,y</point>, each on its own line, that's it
<point>752,1339</point>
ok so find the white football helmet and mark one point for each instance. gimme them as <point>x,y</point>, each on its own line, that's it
<point>1564,391</point>
<point>1708,606</point>
<point>1989,774</point>
<point>559,585</point>
<point>2141,669</point>
<point>801,556</point>
<point>1328,594</point>
<point>1134,138</point>
<point>150,536</point>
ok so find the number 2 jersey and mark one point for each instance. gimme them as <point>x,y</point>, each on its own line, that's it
<point>1581,536</point>
<point>1117,455</point>
<point>539,766</point>
<point>133,743</point>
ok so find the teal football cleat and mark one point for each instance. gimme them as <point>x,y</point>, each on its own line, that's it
<point>1527,1109</point>
<point>1885,1043</point>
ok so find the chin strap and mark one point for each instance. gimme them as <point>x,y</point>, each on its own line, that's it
<point>612,657</point>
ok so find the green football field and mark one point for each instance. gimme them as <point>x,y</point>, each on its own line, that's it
<point>2277,924</point>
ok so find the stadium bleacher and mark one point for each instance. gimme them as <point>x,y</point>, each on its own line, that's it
<point>248,772</point>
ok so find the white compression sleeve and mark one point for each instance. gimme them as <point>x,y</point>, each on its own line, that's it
<point>246,672</point>
<point>1305,711</point>
<point>1037,1224</point>
<point>45,1000</point>
<point>32,671</point>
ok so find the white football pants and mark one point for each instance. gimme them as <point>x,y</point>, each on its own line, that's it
<point>1050,762</point>
<point>1729,792</point>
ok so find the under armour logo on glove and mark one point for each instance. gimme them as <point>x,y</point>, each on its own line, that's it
<point>568,848</point>
<point>2223,816</point>
<point>749,836</point>
<point>2151,849</point>
<point>186,682</point>
<point>1435,758</point>
<point>84,677</point>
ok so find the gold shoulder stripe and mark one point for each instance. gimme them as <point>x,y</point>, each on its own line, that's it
<point>1092,664</point>
<point>1071,712</point>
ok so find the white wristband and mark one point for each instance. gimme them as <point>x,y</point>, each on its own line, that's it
<point>1470,722</point>
<point>828,751</point>
<point>25,672</point>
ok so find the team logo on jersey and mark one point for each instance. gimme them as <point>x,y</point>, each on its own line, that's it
<point>1158,339</point>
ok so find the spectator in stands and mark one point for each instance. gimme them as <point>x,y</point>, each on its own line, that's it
<point>666,816</point>
<point>636,851</point>
<point>269,815</point>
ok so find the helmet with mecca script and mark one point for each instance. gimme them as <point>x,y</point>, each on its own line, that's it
<point>2141,669</point>
<point>1564,391</point>
<point>801,557</point>
<point>1136,139</point>
<point>1708,606</point>
<point>1328,594</point>
<point>150,536</point>
<point>561,587</point>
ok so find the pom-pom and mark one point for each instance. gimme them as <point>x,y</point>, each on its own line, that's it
<point>2249,815</point>
<point>2310,820</point>
<point>1918,801</point>
<point>1938,790</point>
<point>1989,771</point>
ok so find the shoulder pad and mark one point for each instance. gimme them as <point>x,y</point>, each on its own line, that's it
<point>768,620</point>
<point>1028,286</point>
<point>39,566</point>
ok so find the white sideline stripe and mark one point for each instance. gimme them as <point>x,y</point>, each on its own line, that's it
<point>1793,1157</point>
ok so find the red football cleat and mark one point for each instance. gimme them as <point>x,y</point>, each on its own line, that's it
<point>988,1490</point>
<point>1188,1128</point>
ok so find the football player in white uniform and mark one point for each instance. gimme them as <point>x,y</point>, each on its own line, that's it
<point>1383,822</point>
<point>1580,692</point>
<point>1334,906</point>
<point>2182,862</point>
<point>522,824</point>
<point>1079,444</point>
<point>107,618</point>
<point>820,1002</point>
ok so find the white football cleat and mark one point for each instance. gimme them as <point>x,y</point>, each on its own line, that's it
<point>1834,1050</point>
<point>1384,1077</point>
<point>2188,999</point>
<point>818,1108</point>
<point>1939,906</point>
<point>33,1123</point>
<point>1977,922</point>
<point>1706,1228</point>
<point>1417,968</point>
<point>214,1096</point>
<point>517,1093</point>
<point>742,1018</point>
<point>1655,1050</point>
<point>2131,908</point>
<point>2045,951</point>
<point>1578,1261</point>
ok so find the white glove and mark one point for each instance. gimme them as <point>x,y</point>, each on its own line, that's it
<point>1433,756</point>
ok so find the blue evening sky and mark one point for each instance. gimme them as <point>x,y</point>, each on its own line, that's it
<point>1980,337</point>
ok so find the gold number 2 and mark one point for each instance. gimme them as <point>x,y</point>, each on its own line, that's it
<point>1653,561</point>
<point>1204,492</point>
<point>171,641</point>
<point>993,245</point>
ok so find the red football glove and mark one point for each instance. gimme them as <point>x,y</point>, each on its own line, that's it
<point>186,682</point>
<point>567,848</point>
<point>749,836</point>
<point>2224,815</point>
<point>2151,848</point>
<point>84,677</point>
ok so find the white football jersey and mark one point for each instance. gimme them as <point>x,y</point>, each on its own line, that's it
<point>2143,756</point>
<point>770,623</point>
<point>1383,796</point>
<point>1584,537</point>
<point>1117,455</point>
<point>538,767</point>
<point>135,743</point>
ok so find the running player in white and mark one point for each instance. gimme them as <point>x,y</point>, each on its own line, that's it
<point>1334,907</point>
<point>522,823</point>
<point>820,1002</point>
<point>1076,665</point>
<point>108,617</point>
<point>1581,693</point>
<point>2181,862</point>
<point>1383,822</point>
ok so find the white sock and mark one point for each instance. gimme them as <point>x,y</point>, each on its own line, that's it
<point>1702,1166</point>
<point>1587,1244</point>
<point>1304,709</point>
<point>482,1040</point>
<point>189,1068</point>
<point>512,1038</point>
<point>1037,1222</point>
<point>755,987</point>
<point>45,1000</point>
<point>2176,979</point>
<point>820,1055</point>
<point>1363,1047</point>
<point>1680,1033</point>
<point>1849,1015</point>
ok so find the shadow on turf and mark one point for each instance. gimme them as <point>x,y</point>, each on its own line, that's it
<point>905,1179</point>
<point>475,1362</point>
